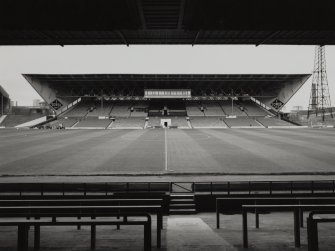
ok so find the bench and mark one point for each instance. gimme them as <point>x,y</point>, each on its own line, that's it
<point>24,224</point>
<point>272,208</point>
<point>220,202</point>
<point>83,202</point>
<point>312,226</point>
<point>79,212</point>
<point>83,189</point>
<point>266,187</point>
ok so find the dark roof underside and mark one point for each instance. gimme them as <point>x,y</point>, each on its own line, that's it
<point>69,81</point>
<point>70,22</point>
<point>3,92</point>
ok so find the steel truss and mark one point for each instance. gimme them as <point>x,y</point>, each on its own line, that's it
<point>319,102</point>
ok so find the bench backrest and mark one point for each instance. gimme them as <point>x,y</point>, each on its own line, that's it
<point>74,211</point>
<point>81,202</point>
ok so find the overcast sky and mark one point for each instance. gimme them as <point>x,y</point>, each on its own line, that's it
<point>220,59</point>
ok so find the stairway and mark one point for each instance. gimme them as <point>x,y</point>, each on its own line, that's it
<point>182,204</point>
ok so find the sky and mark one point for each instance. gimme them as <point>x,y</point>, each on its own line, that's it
<point>155,59</point>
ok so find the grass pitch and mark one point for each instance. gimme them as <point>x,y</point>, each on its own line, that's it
<point>229,151</point>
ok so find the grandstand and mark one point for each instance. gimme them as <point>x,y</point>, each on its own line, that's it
<point>207,122</point>
<point>128,123</point>
<point>90,122</point>
<point>242,122</point>
<point>177,104</point>
<point>19,115</point>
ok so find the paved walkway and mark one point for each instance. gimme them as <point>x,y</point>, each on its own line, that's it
<point>192,233</point>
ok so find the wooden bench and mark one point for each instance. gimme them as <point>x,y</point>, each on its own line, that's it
<point>80,211</point>
<point>220,202</point>
<point>24,224</point>
<point>313,220</point>
<point>273,208</point>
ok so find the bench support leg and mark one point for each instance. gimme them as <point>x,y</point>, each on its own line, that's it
<point>37,237</point>
<point>159,229</point>
<point>245,228</point>
<point>22,237</point>
<point>312,235</point>
<point>301,215</point>
<point>256,218</point>
<point>93,236</point>
<point>118,226</point>
<point>296,228</point>
<point>217,215</point>
<point>78,226</point>
<point>147,236</point>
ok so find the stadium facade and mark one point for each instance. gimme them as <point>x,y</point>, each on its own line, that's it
<point>174,100</point>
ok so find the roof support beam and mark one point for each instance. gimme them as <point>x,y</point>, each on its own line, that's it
<point>196,38</point>
<point>141,14</point>
<point>271,35</point>
<point>123,37</point>
<point>181,14</point>
<point>52,38</point>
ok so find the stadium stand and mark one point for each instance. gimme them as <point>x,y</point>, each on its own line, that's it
<point>242,122</point>
<point>90,122</point>
<point>79,110</point>
<point>137,123</point>
<point>227,108</point>
<point>154,122</point>
<point>207,122</point>
<point>176,108</point>
<point>121,109</point>
<point>194,109</point>
<point>102,111</point>
<point>155,109</point>
<point>139,109</point>
<point>63,122</point>
<point>13,120</point>
<point>252,109</point>
<point>273,122</point>
<point>212,109</point>
<point>179,122</point>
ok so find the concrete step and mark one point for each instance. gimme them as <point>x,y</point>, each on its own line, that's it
<point>182,201</point>
<point>181,196</point>
<point>182,211</point>
<point>182,206</point>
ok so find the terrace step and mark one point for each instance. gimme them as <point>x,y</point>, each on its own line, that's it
<point>182,211</point>
<point>181,201</point>
<point>182,204</point>
<point>182,196</point>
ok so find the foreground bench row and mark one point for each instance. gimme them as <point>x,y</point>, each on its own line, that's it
<point>24,224</point>
<point>224,204</point>
<point>274,208</point>
<point>25,213</point>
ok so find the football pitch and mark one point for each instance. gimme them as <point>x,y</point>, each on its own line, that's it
<point>216,151</point>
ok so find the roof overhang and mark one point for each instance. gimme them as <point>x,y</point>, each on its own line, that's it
<point>73,22</point>
<point>265,87</point>
<point>3,92</point>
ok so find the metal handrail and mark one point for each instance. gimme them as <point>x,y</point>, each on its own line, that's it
<point>228,187</point>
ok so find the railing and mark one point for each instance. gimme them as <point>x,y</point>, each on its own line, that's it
<point>64,109</point>
<point>209,188</point>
